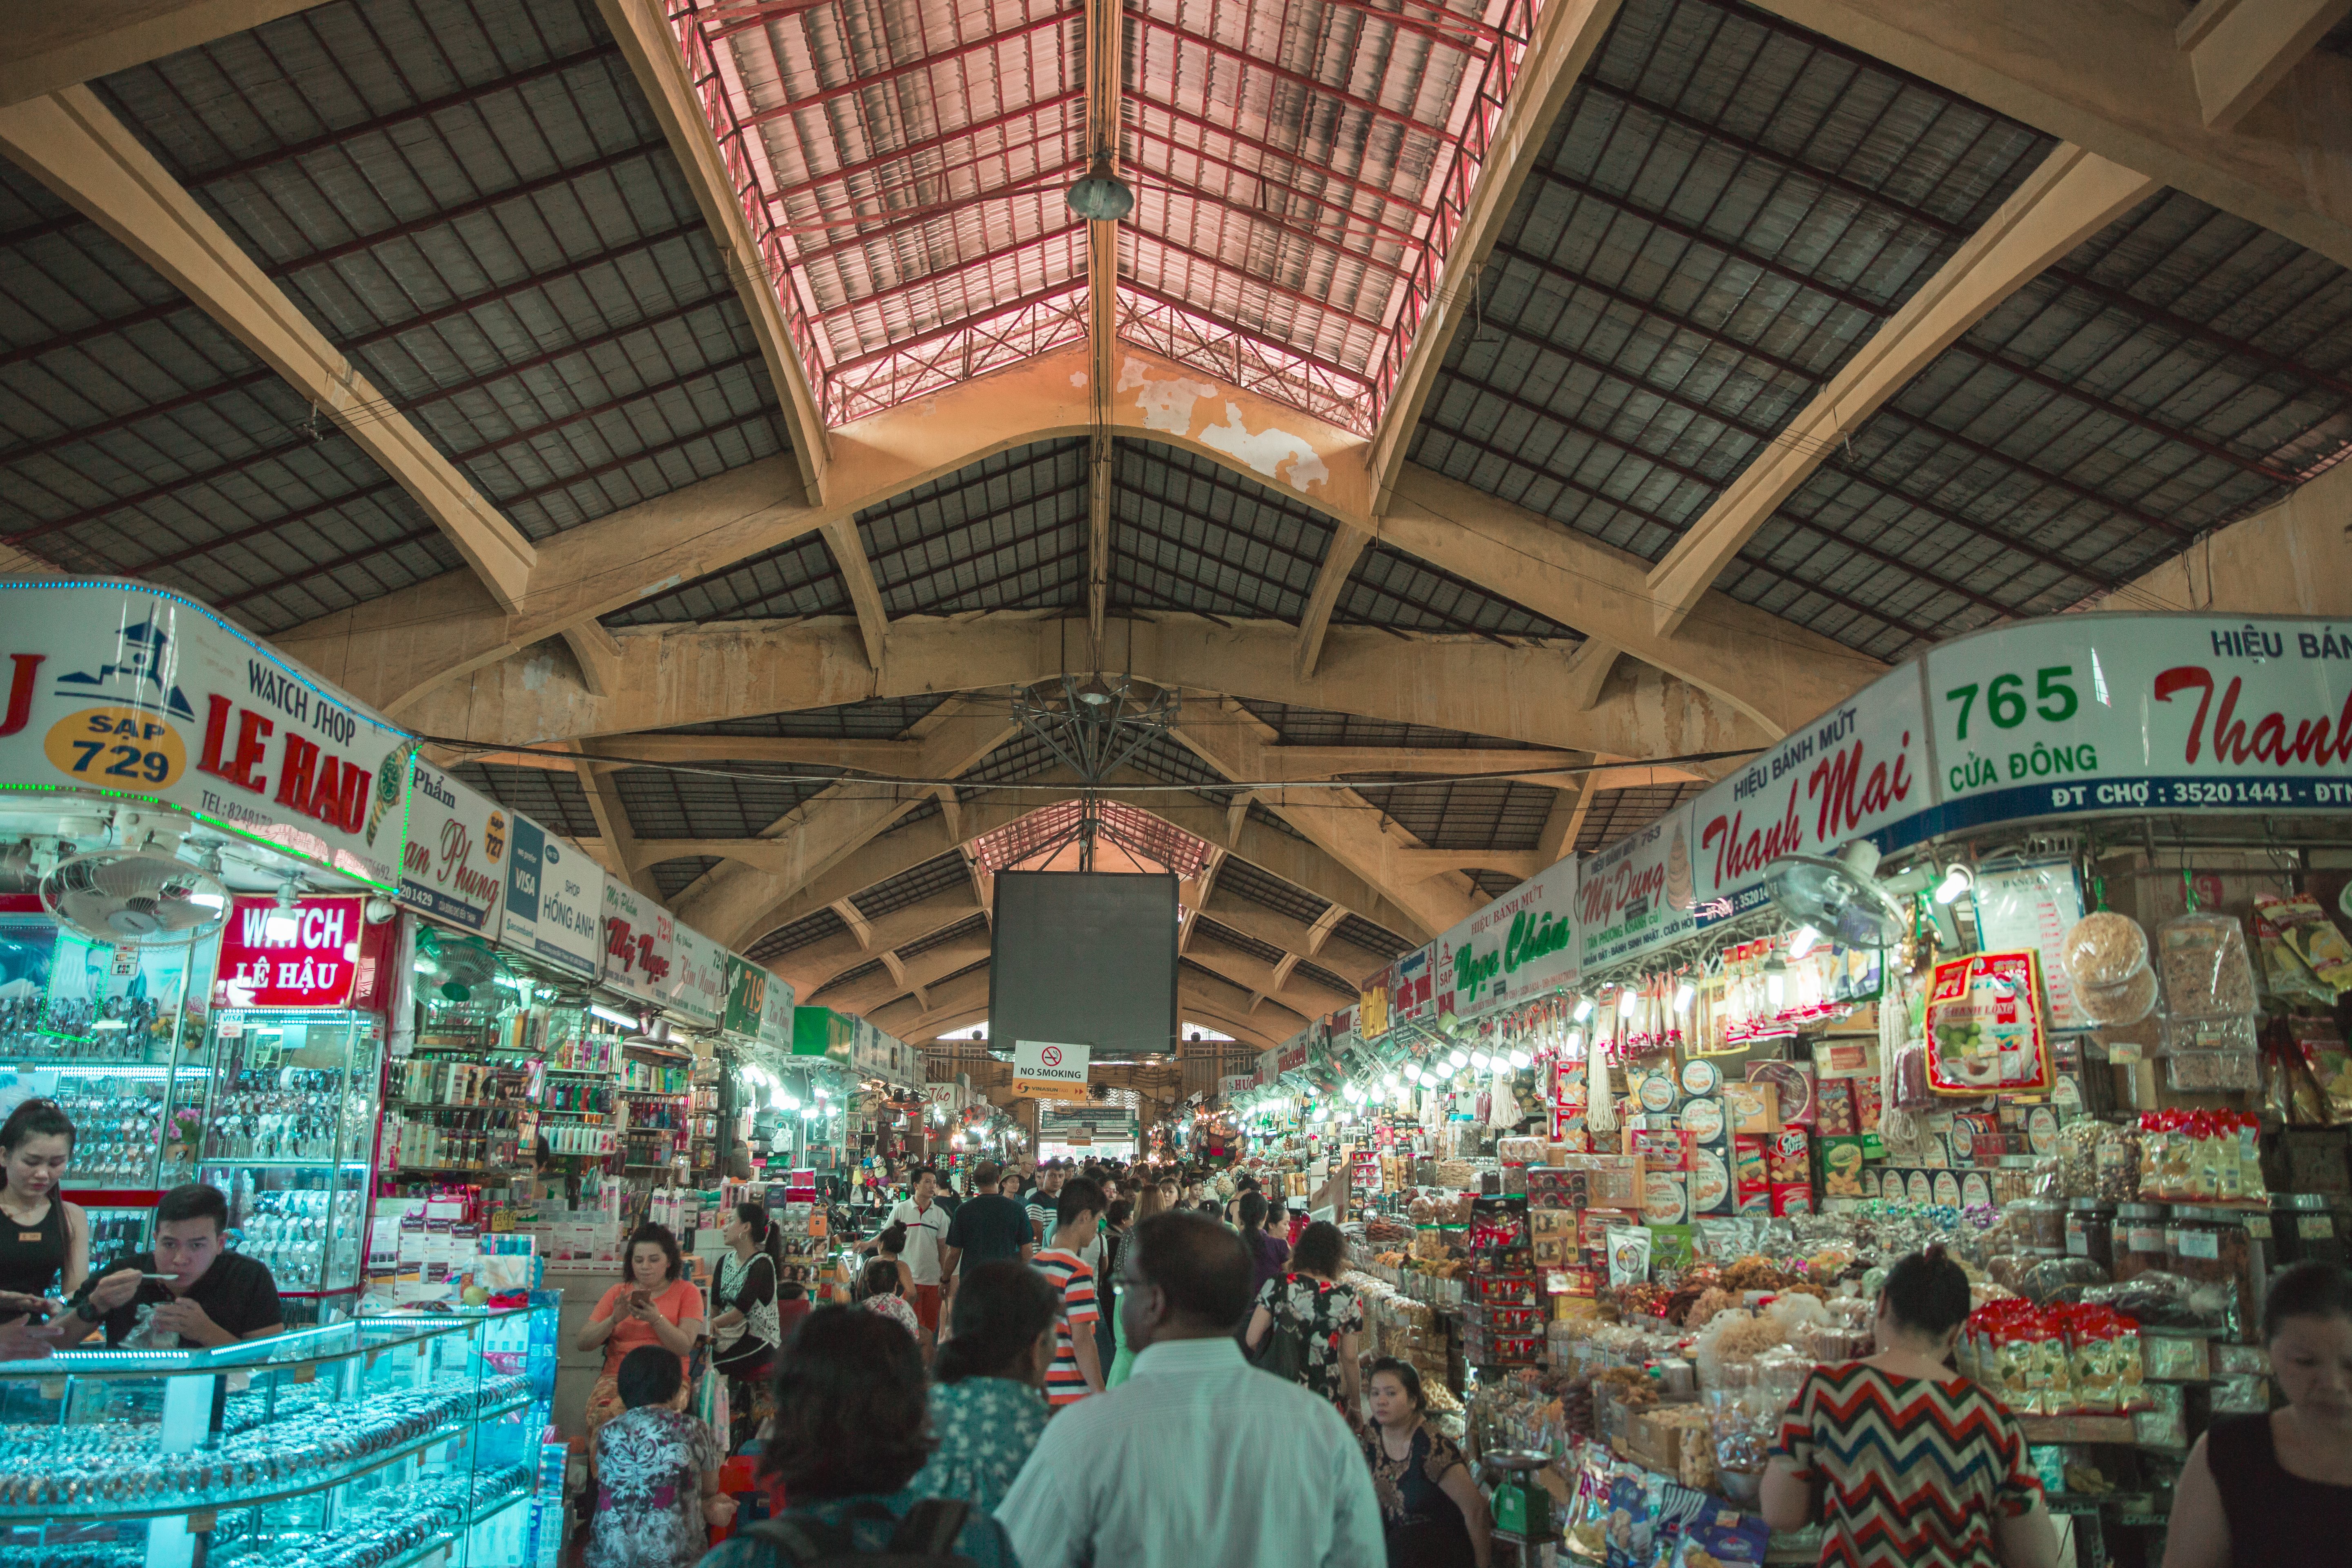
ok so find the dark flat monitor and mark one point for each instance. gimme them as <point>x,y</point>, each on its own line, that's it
<point>1085,957</point>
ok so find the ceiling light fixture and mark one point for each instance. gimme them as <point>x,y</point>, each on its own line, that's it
<point>1102,196</point>
<point>1958,879</point>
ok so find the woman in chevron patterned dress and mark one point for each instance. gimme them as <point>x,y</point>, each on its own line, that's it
<point>1916,1467</point>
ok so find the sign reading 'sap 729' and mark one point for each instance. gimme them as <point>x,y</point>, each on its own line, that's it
<point>136,692</point>
<point>2129,713</point>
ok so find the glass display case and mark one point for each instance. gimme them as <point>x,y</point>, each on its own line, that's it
<point>104,1031</point>
<point>371,1444</point>
<point>289,1126</point>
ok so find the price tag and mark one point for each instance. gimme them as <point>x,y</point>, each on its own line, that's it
<point>2121,1052</point>
<point>2314,1226</point>
<point>2203,1243</point>
<point>2258,1225</point>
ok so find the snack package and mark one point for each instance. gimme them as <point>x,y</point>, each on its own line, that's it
<point>1842,1160</point>
<point>2103,949</point>
<point>1727,1538</point>
<point>1629,1256</point>
<point>1984,1026</point>
<point>2305,929</point>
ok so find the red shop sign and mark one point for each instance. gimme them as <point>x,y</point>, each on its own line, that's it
<point>315,955</point>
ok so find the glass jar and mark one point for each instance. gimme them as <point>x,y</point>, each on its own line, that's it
<point>2138,1240</point>
<point>2041,1223</point>
<point>2214,1250</point>
<point>2091,1232</point>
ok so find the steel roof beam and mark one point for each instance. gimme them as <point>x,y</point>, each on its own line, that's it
<point>1387,233</point>
<point>1271,345</point>
<point>1338,95</point>
<point>885,228</point>
<point>653,50</point>
<point>1298,160</point>
<point>2069,197</point>
<point>1251,279</point>
<point>74,146</point>
<point>2112,78</point>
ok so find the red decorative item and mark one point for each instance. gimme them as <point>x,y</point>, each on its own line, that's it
<point>1985,1026</point>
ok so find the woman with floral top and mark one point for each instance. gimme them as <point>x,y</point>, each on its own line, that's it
<point>657,1472</point>
<point>1325,1314</point>
<point>988,1401</point>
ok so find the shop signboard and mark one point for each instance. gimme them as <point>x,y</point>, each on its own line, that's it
<point>2084,714</point>
<point>1860,771</point>
<point>759,1004</point>
<point>1045,1069</point>
<point>639,957</point>
<point>1626,894</point>
<point>93,990</point>
<point>454,867</point>
<point>308,956</point>
<point>1412,1001</point>
<point>556,899</point>
<point>135,692</point>
<point>1086,1124</point>
<point>1517,946</point>
<point>699,979</point>
<point>821,1032</point>
<point>1373,1004</point>
<point>1236,1083</point>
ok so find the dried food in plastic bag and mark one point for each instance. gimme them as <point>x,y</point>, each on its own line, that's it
<point>2104,948</point>
<point>2059,1278</point>
<point>2210,1072</point>
<point>2305,929</point>
<point>2202,961</point>
<point>2125,1003</point>
<point>2187,1037</point>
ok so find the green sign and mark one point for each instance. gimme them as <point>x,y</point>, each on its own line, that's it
<point>821,1032</point>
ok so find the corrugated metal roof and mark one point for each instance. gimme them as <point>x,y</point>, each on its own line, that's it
<point>1617,811</point>
<point>973,924</point>
<point>1189,535</point>
<point>905,170</point>
<point>874,719</point>
<point>813,927</point>
<point>672,877</point>
<point>1391,589</point>
<point>1313,727</point>
<point>553,798</point>
<point>913,885</point>
<point>473,199</point>
<point>1007,533</point>
<point>672,803</point>
<point>1500,814</point>
<point>1244,880</point>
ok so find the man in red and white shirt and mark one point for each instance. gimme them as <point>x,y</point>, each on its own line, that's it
<point>927,1228</point>
<point>1076,1370</point>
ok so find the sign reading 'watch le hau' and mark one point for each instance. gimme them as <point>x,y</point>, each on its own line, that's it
<point>140,694</point>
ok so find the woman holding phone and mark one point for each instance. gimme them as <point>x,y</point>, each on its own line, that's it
<point>653,1305</point>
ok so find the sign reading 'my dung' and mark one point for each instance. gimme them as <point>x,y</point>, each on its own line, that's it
<point>139,693</point>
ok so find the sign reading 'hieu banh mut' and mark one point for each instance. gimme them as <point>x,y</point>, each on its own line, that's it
<point>2127,713</point>
<point>1518,945</point>
<point>1861,769</point>
<point>139,693</point>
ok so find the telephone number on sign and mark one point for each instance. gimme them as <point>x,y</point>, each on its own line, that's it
<point>2200,792</point>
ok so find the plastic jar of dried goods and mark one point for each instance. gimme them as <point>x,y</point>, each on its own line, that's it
<point>2138,1240</point>
<point>2091,1232</point>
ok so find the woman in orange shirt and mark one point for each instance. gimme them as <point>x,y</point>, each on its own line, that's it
<point>653,1305</point>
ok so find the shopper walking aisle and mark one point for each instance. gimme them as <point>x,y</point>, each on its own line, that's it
<point>1198,1459</point>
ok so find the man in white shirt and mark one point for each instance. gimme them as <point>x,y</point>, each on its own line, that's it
<point>926,1230</point>
<point>1198,1460</point>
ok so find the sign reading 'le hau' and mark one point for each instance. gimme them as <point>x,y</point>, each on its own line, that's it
<point>137,692</point>
<point>308,956</point>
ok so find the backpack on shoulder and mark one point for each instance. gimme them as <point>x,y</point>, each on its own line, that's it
<point>924,1539</point>
<point>1285,1350</point>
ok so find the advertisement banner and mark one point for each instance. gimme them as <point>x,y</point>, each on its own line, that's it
<point>455,865</point>
<point>96,991</point>
<point>700,975</point>
<point>639,956</point>
<point>1047,1068</point>
<point>142,694</point>
<point>1635,896</point>
<point>1861,769</point>
<point>1519,945</point>
<point>2129,714</point>
<point>759,1004</point>
<point>556,899</point>
<point>1236,1083</point>
<point>1413,1001</point>
<point>308,956</point>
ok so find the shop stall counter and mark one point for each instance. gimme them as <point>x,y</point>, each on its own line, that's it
<point>375,1442</point>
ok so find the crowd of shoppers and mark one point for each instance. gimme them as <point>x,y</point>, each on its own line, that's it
<point>1131,1368</point>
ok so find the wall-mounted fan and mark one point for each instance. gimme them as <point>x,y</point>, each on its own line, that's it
<point>1840,898</point>
<point>457,966</point>
<point>135,898</point>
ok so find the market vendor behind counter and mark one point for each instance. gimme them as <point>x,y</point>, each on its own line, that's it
<point>189,1291</point>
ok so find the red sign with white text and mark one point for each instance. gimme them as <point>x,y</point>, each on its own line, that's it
<point>313,955</point>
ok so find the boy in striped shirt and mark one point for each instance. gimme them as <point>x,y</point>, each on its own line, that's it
<point>1076,1370</point>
